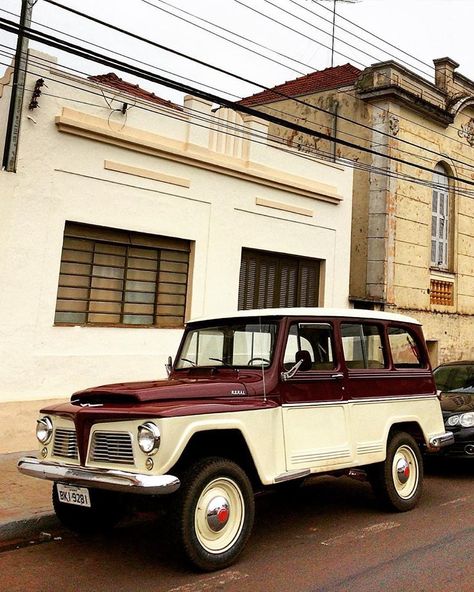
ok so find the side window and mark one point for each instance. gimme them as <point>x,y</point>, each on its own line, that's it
<point>313,338</point>
<point>363,346</point>
<point>405,350</point>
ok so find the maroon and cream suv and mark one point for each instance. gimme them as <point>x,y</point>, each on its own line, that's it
<point>253,399</point>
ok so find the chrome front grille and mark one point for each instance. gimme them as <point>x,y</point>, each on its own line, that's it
<point>112,447</point>
<point>65,443</point>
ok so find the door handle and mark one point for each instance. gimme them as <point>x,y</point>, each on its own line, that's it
<point>337,376</point>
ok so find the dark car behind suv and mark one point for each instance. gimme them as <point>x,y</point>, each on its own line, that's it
<point>455,385</point>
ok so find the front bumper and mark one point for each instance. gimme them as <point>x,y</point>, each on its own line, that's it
<point>441,440</point>
<point>110,479</point>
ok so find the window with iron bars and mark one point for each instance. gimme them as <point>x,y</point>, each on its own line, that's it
<point>119,278</point>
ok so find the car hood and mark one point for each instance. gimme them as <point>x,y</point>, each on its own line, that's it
<point>162,390</point>
<point>457,401</point>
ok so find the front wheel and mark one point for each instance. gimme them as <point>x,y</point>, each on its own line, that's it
<point>213,513</point>
<point>397,482</point>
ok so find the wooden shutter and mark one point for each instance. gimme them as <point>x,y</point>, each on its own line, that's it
<point>440,219</point>
<point>271,280</point>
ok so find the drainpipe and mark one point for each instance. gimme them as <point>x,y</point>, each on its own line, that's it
<point>18,90</point>
<point>334,129</point>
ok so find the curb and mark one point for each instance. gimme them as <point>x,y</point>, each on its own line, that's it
<point>28,527</point>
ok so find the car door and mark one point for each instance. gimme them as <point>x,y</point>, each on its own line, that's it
<point>315,419</point>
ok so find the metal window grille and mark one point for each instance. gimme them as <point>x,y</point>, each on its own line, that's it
<point>270,280</point>
<point>113,277</point>
<point>442,292</point>
<point>440,220</point>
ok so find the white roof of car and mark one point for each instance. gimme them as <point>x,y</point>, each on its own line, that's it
<point>313,312</point>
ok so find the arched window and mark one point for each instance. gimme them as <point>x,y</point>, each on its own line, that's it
<point>440,209</point>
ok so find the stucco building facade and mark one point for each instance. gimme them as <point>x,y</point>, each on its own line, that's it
<point>128,215</point>
<point>413,216</point>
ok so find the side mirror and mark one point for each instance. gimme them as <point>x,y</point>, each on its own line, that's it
<point>169,365</point>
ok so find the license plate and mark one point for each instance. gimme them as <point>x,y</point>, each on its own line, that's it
<point>70,494</point>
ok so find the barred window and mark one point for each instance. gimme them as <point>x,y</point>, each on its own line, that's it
<point>440,219</point>
<point>271,280</point>
<point>116,277</point>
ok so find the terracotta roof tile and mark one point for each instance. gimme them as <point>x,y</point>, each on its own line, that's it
<point>111,79</point>
<point>313,82</point>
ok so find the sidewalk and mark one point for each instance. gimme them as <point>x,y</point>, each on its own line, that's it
<point>25,502</point>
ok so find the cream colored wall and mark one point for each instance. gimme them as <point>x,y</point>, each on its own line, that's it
<point>176,180</point>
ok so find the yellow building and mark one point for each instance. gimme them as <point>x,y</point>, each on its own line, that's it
<point>413,216</point>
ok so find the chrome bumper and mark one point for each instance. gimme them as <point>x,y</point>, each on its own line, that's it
<point>110,479</point>
<point>441,440</point>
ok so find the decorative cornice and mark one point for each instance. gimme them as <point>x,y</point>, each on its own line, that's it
<point>97,128</point>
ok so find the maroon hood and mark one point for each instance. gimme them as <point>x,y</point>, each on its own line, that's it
<point>163,390</point>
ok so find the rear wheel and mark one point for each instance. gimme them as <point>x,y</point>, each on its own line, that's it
<point>106,510</point>
<point>212,515</point>
<point>397,482</point>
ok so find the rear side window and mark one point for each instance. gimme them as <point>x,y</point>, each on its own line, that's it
<point>405,350</point>
<point>363,346</point>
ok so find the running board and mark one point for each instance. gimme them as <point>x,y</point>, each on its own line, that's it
<point>289,476</point>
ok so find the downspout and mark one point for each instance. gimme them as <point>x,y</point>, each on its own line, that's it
<point>334,129</point>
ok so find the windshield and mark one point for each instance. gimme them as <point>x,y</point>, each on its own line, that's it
<point>233,344</point>
<point>456,384</point>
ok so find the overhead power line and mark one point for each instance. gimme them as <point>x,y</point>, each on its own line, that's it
<point>241,78</point>
<point>114,63</point>
<point>224,127</point>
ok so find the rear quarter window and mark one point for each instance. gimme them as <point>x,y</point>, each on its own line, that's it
<point>406,352</point>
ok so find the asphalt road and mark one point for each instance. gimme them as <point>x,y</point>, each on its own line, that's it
<point>329,536</point>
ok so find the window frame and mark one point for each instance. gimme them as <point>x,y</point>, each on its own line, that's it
<point>441,195</point>
<point>261,294</point>
<point>124,245</point>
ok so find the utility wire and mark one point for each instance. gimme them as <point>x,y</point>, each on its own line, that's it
<point>126,67</point>
<point>313,106</point>
<point>123,55</point>
<point>430,66</point>
<point>225,38</point>
<point>237,131</point>
<point>238,77</point>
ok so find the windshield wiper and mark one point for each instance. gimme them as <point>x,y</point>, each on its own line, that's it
<point>222,362</point>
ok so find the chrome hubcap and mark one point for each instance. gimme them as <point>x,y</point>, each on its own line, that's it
<point>217,513</point>
<point>403,470</point>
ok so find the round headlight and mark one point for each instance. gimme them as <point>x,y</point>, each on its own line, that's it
<point>453,420</point>
<point>149,437</point>
<point>44,429</point>
<point>467,419</point>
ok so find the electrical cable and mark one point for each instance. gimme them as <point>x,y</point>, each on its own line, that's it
<point>175,52</point>
<point>312,154</point>
<point>105,60</point>
<point>316,107</point>
<point>305,8</point>
<point>221,36</point>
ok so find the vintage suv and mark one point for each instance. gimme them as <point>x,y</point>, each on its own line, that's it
<point>254,399</point>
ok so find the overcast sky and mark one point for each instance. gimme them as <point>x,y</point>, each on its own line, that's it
<point>424,29</point>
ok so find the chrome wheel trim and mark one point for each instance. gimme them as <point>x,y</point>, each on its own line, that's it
<point>405,472</point>
<point>219,536</point>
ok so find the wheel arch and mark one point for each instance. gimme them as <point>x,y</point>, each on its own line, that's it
<point>229,443</point>
<point>410,427</point>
